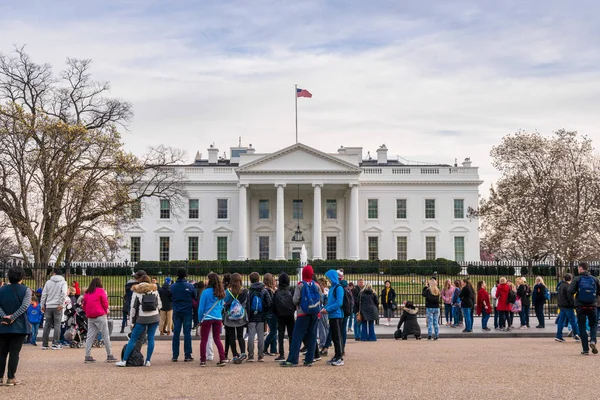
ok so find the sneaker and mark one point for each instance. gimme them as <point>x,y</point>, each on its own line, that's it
<point>429,337</point>
<point>570,334</point>
<point>349,330</point>
<point>34,344</point>
<point>250,360</point>
<point>266,353</point>
<point>585,353</point>
<point>242,357</point>
<point>308,364</point>
<point>560,340</point>
<point>323,352</point>
<point>12,382</point>
<point>261,359</point>
<point>45,348</point>
<point>89,359</point>
<point>594,348</point>
<point>56,347</point>
<point>303,350</point>
<point>318,358</point>
<point>203,364</point>
<point>577,338</point>
<point>435,338</point>
<point>121,364</point>
<point>329,362</point>
<point>486,329</point>
<point>173,360</point>
<point>280,358</point>
<point>222,363</point>
<point>540,327</point>
<point>287,364</point>
<point>338,363</point>
<point>188,359</point>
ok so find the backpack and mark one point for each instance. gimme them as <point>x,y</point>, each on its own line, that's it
<point>586,292</point>
<point>398,334</point>
<point>136,359</point>
<point>347,302</point>
<point>284,303</point>
<point>149,302</point>
<point>236,309</point>
<point>256,302</point>
<point>512,297</point>
<point>310,300</point>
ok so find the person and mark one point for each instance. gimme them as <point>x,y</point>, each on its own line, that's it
<point>409,320</point>
<point>236,317</point>
<point>586,288</point>
<point>431,292</point>
<point>258,305</point>
<point>165,326</point>
<point>566,304</point>
<point>284,309</point>
<point>307,296</point>
<point>95,306</point>
<point>495,303</point>
<point>333,309</point>
<point>145,303</point>
<point>199,286</point>
<point>53,299</point>
<point>271,318</point>
<point>34,316</point>
<point>524,293</point>
<point>539,296</point>
<point>154,281</point>
<point>447,293</point>
<point>456,305</point>
<point>504,306</point>
<point>467,300</point>
<point>127,299</point>
<point>209,350</point>
<point>360,284</point>
<point>484,307</point>
<point>369,311</point>
<point>323,331</point>
<point>210,314</point>
<point>15,299</point>
<point>75,286</point>
<point>182,294</point>
<point>352,316</point>
<point>515,306</point>
<point>388,299</point>
<point>347,315</point>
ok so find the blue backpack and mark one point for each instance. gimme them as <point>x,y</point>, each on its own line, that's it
<point>256,305</point>
<point>310,301</point>
<point>586,293</point>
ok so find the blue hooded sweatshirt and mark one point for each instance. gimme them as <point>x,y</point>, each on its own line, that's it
<point>207,299</point>
<point>335,298</point>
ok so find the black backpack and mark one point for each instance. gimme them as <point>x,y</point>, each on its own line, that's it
<point>347,302</point>
<point>512,297</point>
<point>136,359</point>
<point>284,303</point>
<point>149,302</point>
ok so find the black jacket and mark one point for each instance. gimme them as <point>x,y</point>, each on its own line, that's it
<point>467,297</point>
<point>411,325</point>
<point>258,289</point>
<point>391,298</point>
<point>355,294</point>
<point>431,301</point>
<point>573,288</point>
<point>369,305</point>
<point>524,293</point>
<point>128,294</point>
<point>564,298</point>
<point>165,297</point>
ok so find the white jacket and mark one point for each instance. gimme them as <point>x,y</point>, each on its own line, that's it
<point>54,292</point>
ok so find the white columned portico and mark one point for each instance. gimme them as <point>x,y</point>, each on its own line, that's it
<point>353,234</point>
<point>243,222</point>
<point>280,248</point>
<point>317,243</point>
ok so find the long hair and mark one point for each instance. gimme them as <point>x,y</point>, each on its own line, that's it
<point>95,283</point>
<point>214,282</point>
<point>467,282</point>
<point>480,285</point>
<point>226,281</point>
<point>433,287</point>
<point>269,281</point>
<point>457,283</point>
<point>447,284</point>
<point>540,280</point>
<point>235,285</point>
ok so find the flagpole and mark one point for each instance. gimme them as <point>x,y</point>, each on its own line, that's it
<point>296,104</point>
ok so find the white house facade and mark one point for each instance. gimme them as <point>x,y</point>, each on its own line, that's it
<point>340,206</point>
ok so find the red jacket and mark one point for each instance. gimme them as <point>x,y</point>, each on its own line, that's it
<point>502,296</point>
<point>77,289</point>
<point>483,297</point>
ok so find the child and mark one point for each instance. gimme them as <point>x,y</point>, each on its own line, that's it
<point>259,303</point>
<point>35,316</point>
<point>409,319</point>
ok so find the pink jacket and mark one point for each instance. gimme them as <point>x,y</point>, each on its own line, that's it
<point>447,295</point>
<point>96,304</point>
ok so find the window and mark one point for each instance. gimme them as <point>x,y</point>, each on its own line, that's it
<point>373,248</point>
<point>263,209</point>
<point>136,209</point>
<point>164,249</point>
<point>136,248</point>
<point>430,248</point>
<point>459,248</point>
<point>222,209</point>
<point>194,209</point>
<point>331,209</point>
<point>430,209</point>
<point>459,208</point>
<point>193,248</point>
<point>263,247</point>
<point>297,209</point>
<point>165,209</point>
<point>222,248</point>
<point>401,248</point>
<point>372,209</point>
<point>401,208</point>
<point>331,248</point>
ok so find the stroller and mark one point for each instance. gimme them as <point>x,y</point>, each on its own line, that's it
<point>77,326</point>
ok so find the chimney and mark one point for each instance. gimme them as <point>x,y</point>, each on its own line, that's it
<point>213,154</point>
<point>341,150</point>
<point>382,155</point>
<point>467,163</point>
<point>198,156</point>
<point>250,149</point>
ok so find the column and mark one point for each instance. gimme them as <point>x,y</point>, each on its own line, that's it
<point>317,240</point>
<point>353,234</point>
<point>243,223</point>
<point>280,248</point>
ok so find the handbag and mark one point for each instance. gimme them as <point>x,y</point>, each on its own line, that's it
<point>359,315</point>
<point>394,306</point>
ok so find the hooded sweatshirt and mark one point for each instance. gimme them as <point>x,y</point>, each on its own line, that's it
<point>54,293</point>
<point>137,314</point>
<point>335,297</point>
<point>258,289</point>
<point>282,289</point>
<point>307,274</point>
<point>206,311</point>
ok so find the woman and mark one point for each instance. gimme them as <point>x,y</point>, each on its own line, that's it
<point>484,306</point>
<point>467,301</point>
<point>504,307</point>
<point>144,315</point>
<point>369,310</point>
<point>14,301</point>
<point>447,293</point>
<point>456,310</point>
<point>95,306</point>
<point>539,296</point>
<point>235,297</point>
<point>431,292</point>
<point>271,340</point>
<point>323,331</point>
<point>524,293</point>
<point>388,298</point>
<point>409,319</point>
<point>210,313</point>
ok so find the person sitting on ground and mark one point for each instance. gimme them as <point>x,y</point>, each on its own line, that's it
<point>95,306</point>
<point>409,320</point>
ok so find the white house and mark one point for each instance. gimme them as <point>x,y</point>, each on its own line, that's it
<point>340,206</point>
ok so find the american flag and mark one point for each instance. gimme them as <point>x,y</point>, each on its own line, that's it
<point>303,93</point>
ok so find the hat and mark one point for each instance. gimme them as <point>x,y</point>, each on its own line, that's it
<point>340,274</point>
<point>39,291</point>
<point>168,280</point>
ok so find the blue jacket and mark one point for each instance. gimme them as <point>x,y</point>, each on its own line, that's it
<point>34,314</point>
<point>182,294</point>
<point>207,299</point>
<point>335,298</point>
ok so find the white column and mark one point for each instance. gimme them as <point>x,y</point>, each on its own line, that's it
<point>280,248</point>
<point>243,223</point>
<point>317,241</point>
<point>353,234</point>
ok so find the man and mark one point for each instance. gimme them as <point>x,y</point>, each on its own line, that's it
<point>566,304</point>
<point>127,300</point>
<point>355,294</point>
<point>53,300</point>
<point>259,304</point>
<point>586,287</point>
<point>183,294</point>
<point>165,326</point>
<point>336,316</point>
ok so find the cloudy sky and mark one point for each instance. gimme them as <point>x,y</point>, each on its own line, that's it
<point>433,80</point>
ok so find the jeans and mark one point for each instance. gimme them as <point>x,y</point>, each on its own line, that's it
<point>52,319</point>
<point>138,330</point>
<point>214,326</point>
<point>524,315</point>
<point>335,326</point>
<point>305,329</point>
<point>323,330</point>
<point>496,318</point>
<point>271,340</point>
<point>345,332</point>
<point>10,347</point>
<point>433,316</point>
<point>284,323</point>
<point>95,326</point>
<point>124,321</point>
<point>583,315</point>
<point>367,333</point>
<point>456,315</point>
<point>504,317</point>
<point>182,320</point>
<point>448,312</point>
<point>256,329</point>
<point>357,324</point>
<point>468,319</point>
<point>351,318</point>
<point>234,333</point>
<point>566,314</point>
<point>539,313</point>
<point>34,332</point>
<point>485,317</point>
